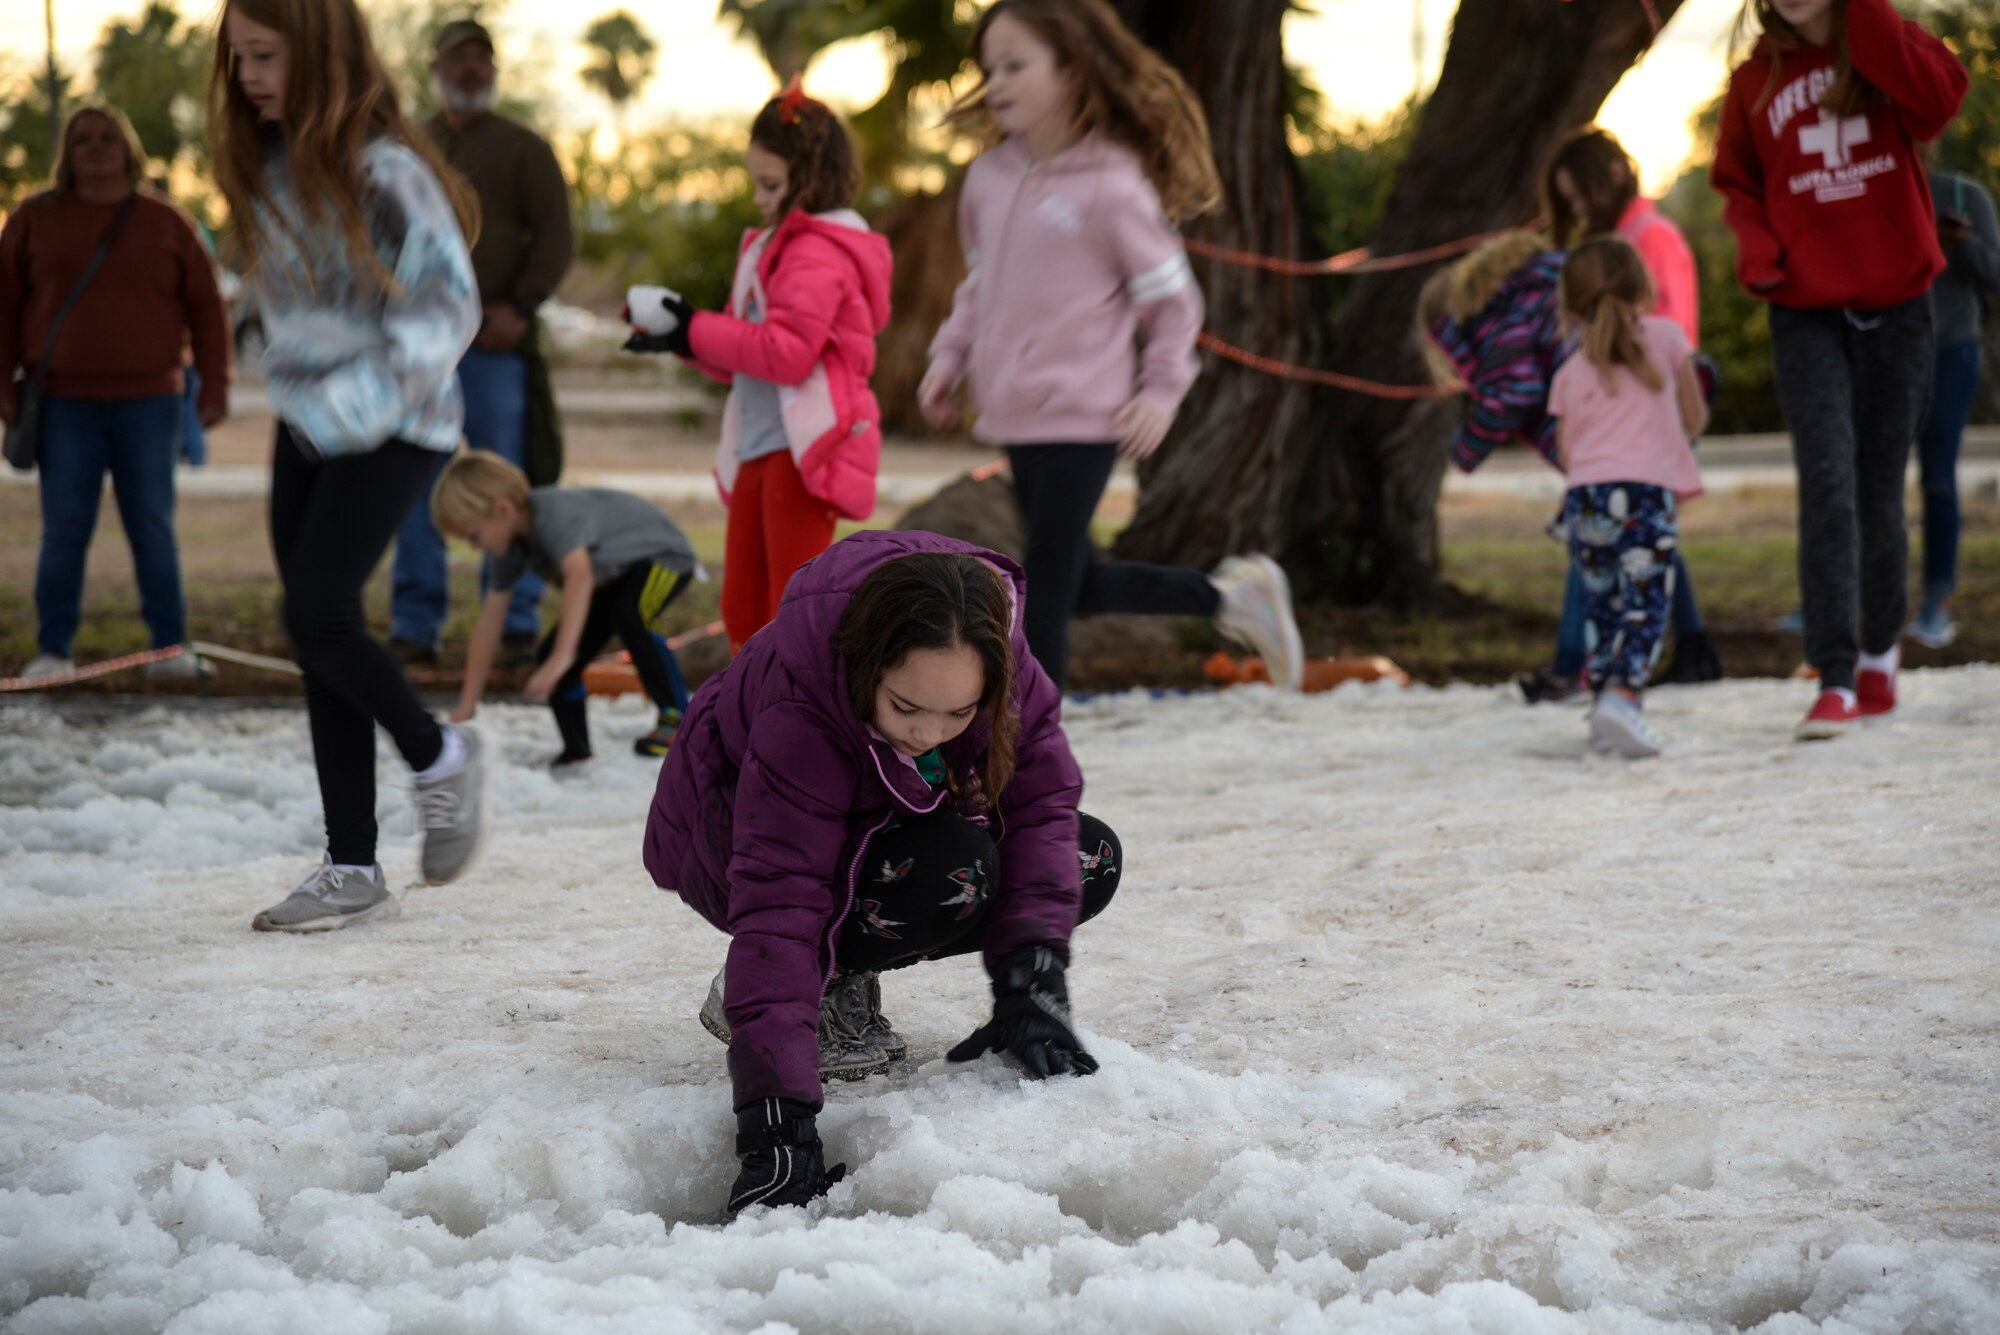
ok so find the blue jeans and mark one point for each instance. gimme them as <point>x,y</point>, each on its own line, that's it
<point>136,440</point>
<point>495,385</point>
<point>1937,463</point>
<point>194,441</point>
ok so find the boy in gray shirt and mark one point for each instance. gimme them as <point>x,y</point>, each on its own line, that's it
<point>619,562</point>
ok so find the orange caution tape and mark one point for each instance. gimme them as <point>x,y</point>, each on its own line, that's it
<point>1311,375</point>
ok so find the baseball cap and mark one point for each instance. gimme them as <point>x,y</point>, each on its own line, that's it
<point>460,31</point>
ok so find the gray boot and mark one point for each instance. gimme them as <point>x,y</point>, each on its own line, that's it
<point>329,899</point>
<point>451,811</point>
<point>857,997</point>
<point>843,1053</point>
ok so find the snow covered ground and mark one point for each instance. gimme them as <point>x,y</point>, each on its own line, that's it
<point>1413,1016</point>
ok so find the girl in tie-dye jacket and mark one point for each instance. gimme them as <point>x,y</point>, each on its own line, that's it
<point>357,238</point>
<point>1493,323</point>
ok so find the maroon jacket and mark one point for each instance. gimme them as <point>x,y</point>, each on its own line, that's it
<point>774,784</point>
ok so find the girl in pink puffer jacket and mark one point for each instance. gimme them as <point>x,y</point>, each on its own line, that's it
<point>801,434</point>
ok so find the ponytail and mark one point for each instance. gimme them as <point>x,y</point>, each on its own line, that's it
<point>1605,288</point>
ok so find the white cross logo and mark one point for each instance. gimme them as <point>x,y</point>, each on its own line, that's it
<point>1832,137</point>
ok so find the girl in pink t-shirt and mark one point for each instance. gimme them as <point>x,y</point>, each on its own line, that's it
<point>1627,403</point>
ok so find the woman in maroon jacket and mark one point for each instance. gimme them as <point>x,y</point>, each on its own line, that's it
<point>879,777</point>
<point>1817,160</point>
<point>112,384</point>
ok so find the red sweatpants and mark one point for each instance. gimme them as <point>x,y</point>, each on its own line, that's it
<point>775,526</point>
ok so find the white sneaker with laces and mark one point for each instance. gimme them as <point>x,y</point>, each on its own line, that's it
<point>1619,725</point>
<point>329,899</point>
<point>47,665</point>
<point>1256,612</point>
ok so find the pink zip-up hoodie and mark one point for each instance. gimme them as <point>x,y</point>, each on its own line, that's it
<point>1068,262</point>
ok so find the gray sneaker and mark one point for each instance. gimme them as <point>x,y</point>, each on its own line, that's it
<point>1256,612</point>
<point>843,1054</point>
<point>328,900</point>
<point>857,999</point>
<point>184,666</point>
<point>451,811</point>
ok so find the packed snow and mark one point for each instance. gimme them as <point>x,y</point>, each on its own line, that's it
<point>1414,1016</point>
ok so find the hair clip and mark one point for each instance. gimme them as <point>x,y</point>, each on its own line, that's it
<point>793,101</point>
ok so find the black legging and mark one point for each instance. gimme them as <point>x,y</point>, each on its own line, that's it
<point>1058,487</point>
<point>331,520</point>
<point>927,887</point>
<point>625,607</point>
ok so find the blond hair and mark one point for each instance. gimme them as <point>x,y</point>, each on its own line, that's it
<point>1606,289</point>
<point>470,485</point>
<point>135,152</point>
<point>1122,89</point>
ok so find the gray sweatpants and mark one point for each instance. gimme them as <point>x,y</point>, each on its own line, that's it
<point>1854,386</point>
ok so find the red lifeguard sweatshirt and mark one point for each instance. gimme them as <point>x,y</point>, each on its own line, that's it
<point>1835,210</point>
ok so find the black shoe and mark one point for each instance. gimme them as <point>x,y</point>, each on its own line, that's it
<point>517,650</point>
<point>1694,660</point>
<point>568,762</point>
<point>412,653</point>
<point>1546,688</point>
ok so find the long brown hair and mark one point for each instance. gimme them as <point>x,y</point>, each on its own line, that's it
<point>937,600</point>
<point>821,174</point>
<point>135,153</point>
<point>1122,89</point>
<point>338,97</point>
<point>1605,288</point>
<point>1602,172</point>
<point>1850,92</point>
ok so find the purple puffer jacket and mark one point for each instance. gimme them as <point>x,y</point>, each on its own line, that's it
<point>773,784</point>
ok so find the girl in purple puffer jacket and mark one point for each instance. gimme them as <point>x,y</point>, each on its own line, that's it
<point>879,777</point>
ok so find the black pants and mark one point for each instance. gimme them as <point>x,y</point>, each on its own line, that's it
<point>1854,386</point>
<point>331,520</point>
<point>927,884</point>
<point>626,607</point>
<point>1058,487</point>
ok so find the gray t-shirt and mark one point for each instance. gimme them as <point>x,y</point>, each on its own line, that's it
<point>760,420</point>
<point>618,529</point>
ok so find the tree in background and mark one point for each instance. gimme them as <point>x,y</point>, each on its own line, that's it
<point>154,69</point>
<point>621,62</point>
<point>25,161</point>
<point>1342,486</point>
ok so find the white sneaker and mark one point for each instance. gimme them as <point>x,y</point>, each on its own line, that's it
<point>1619,725</point>
<point>1256,612</point>
<point>184,666</point>
<point>47,665</point>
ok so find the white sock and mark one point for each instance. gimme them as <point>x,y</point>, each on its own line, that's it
<point>451,757</point>
<point>1888,662</point>
<point>372,873</point>
<point>1847,697</point>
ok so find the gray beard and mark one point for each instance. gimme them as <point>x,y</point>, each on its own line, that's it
<point>462,103</point>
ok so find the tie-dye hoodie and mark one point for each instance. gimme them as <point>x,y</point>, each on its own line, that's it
<point>348,366</point>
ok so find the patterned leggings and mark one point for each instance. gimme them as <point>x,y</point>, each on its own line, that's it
<point>926,887</point>
<point>1622,537</point>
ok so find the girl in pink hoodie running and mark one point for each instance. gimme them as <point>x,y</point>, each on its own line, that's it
<point>1071,254</point>
<point>801,433</point>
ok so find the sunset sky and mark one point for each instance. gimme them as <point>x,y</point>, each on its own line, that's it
<point>1359,51</point>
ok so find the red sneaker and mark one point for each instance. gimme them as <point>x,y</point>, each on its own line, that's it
<point>1830,717</point>
<point>1876,692</point>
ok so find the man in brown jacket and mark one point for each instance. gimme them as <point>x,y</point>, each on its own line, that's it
<point>525,244</point>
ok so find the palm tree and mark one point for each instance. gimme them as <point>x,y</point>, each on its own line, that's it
<point>621,61</point>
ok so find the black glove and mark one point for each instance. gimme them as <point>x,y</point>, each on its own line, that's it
<point>783,1161</point>
<point>675,340</point>
<point>1030,1018</point>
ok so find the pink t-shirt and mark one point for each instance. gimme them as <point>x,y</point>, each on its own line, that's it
<point>1635,434</point>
